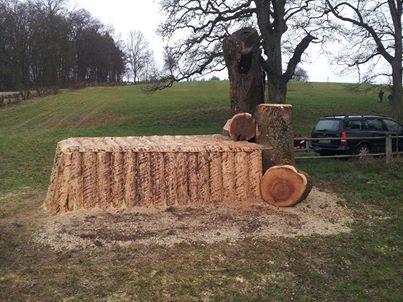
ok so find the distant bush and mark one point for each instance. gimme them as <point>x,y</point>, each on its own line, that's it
<point>215,78</point>
<point>300,75</point>
<point>78,85</point>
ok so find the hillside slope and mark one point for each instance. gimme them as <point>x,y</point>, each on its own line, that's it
<point>29,132</point>
<point>362,265</point>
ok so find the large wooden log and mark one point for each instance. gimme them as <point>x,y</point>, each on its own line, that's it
<point>274,131</point>
<point>285,186</point>
<point>241,126</point>
<point>160,171</point>
<point>242,53</point>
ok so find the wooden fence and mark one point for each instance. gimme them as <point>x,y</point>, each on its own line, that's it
<point>388,154</point>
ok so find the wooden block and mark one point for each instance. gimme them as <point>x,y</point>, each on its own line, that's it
<point>130,181</point>
<point>241,176</point>
<point>90,187</point>
<point>152,171</point>
<point>216,176</point>
<point>192,169</point>
<point>171,184</point>
<point>182,178</point>
<point>203,176</point>
<point>64,180</point>
<point>274,131</point>
<point>158,179</point>
<point>104,179</point>
<point>144,180</point>
<point>229,177</point>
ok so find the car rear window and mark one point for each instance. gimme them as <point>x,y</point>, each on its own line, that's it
<point>392,125</point>
<point>374,125</point>
<point>353,124</point>
<point>328,125</point>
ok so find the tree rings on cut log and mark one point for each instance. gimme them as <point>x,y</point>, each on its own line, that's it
<point>285,186</point>
<point>241,126</point>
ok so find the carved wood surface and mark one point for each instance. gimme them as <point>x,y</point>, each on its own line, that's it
<point>124,172</point>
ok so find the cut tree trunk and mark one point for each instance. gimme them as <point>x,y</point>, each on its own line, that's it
<point>274,130</point>
<point>159,171</point>
<point>285,186</point>
<point>241,126</point>
<point>242,54</point>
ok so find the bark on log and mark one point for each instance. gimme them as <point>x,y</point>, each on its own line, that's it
<point>285,186</point>
<point>241,126</point>
<point>242,54</point>
<point>274,130</point>
<point>153,171</point>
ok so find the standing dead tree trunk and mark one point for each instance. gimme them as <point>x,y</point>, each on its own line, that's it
<point>242,54</point>
<point>274,130</point>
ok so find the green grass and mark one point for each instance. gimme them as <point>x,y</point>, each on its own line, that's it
<point>29,133</point>
<point>361,266</point>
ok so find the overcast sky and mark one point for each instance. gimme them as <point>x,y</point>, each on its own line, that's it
<point>145,15</point>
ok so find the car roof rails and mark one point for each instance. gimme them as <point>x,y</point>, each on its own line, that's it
<point>336,116</point>
<point>353,115</point>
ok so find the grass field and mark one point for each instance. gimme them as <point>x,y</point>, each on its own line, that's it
<point>364,265</point>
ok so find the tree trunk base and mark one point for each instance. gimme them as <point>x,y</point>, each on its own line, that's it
<point>274,130</point>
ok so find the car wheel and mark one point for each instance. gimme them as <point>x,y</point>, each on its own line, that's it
<point>363,150</point>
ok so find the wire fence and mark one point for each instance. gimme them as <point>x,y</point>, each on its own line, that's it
<point>391,147</point>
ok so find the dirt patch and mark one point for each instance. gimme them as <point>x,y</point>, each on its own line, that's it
<point>322,213</point>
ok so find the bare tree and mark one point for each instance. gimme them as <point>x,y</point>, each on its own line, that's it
<point>137,53</point>
<point>281,24</point>
<point>149,71</point>
<point>52,6</point>
<point>170,62</point>
<point>373,30</point>
<point>300,75</point>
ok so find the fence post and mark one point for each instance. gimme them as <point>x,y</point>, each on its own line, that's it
<point>388,148</point>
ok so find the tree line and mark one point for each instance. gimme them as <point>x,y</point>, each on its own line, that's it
<point>43,44</point>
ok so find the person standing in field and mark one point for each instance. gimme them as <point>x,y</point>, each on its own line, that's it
<point>390,99</point>
<point>380,95</point>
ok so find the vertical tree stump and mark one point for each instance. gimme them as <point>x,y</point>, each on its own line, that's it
<point>274,129</point>
<point>241,54</point>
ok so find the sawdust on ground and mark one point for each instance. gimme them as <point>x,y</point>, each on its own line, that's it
<point>322,213</point>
